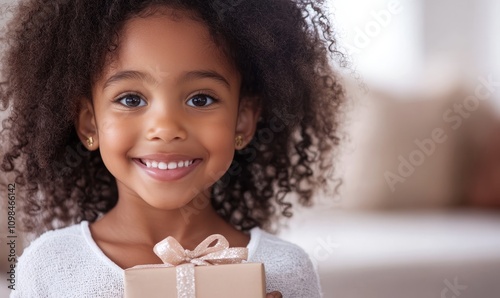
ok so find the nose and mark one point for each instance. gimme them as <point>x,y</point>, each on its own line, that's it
<point>166,123</point>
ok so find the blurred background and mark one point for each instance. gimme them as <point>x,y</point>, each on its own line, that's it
<point>418,213</point>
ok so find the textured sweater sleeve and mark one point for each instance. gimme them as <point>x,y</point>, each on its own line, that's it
<point>26,280</point>
<point>296,277</point>
<point>60,264</point>
<point>289,269</point>
<point>30,274</point>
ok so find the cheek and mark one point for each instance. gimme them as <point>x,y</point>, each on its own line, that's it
<point>218,138</point>
<point>222,141</point>
<point>219,130</point>
<point>114,132</point>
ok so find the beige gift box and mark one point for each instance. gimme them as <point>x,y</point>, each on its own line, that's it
<point>246,280</point>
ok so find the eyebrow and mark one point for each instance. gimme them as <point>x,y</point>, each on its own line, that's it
<point>129,75</point>
<point>206,74</point>
<point>188,76</point>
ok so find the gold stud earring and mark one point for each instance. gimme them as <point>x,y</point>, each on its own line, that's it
<point>90,141</point>
<point>239,141</point>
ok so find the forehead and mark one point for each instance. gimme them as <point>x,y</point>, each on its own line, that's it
<point>169,40</point>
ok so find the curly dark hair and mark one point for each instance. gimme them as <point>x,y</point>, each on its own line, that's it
<point>283,49</point>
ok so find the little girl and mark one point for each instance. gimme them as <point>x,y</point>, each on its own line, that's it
<point>134,120</point>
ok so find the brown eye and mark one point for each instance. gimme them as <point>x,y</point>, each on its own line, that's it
<point>201,100</point>
<point>132,100</point>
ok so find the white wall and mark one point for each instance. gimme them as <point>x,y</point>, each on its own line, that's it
<point>492,62</point>
<point>383,37</point>
<point>495,32</point>
<point>428,41</point>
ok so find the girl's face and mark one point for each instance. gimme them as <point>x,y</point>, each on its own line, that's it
<point>169,97</point>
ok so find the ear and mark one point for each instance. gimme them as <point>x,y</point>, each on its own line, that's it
<point>248,115</point>
<point>85,125</point>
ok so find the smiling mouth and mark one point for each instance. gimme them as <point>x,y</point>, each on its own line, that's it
<point>161,165</point>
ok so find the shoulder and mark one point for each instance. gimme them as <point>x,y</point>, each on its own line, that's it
<point>271,248</point>
<point>66,263</point>
<point>53,243</point>
<point>46,258</point>
<point>288,267</point>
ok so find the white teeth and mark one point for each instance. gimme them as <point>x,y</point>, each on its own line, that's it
<point>170,166</point>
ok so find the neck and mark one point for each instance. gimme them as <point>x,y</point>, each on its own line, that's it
<point>135,221</point>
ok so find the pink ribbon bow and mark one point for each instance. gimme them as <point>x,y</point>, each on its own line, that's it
<point>172,254</point>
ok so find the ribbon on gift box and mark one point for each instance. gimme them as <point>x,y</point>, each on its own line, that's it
<point>171,252</point>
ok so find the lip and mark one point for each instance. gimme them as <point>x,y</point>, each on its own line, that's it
<point>167,175</point>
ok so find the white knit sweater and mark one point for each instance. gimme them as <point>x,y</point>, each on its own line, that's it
<point>68,263</point>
